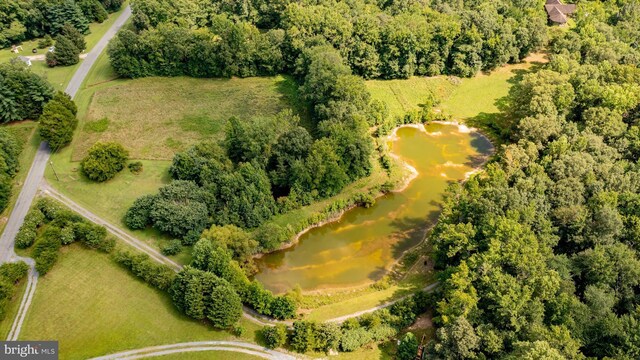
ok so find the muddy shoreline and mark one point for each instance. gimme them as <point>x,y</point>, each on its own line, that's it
<point>403,184</point>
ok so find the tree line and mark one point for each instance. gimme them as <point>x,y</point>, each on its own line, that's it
<point>213,287</point>
<point>388,39</point>
<point>540,255</point>
<point>26,20</point>
<point>10,150</point>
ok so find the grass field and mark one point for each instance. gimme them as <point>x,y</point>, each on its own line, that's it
<point>402,96</point>
<point>156,117</point>
<point>94,307</point>
<point>463,99</point>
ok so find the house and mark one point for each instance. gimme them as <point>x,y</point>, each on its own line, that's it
<point>25,60</point>
<point>558,11</point>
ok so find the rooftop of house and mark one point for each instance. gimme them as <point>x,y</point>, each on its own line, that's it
<point>558,11</point>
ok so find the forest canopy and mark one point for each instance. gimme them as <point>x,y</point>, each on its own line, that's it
<point>390,39</point>
<point>541,253</point>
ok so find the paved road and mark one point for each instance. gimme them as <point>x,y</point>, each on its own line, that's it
<point>35,175</point>
<point>235,346</point>
<point>92,56</point>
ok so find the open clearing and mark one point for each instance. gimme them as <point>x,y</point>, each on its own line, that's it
<point>156,117</point>
<point>94,307</point>
<point>463,99</point>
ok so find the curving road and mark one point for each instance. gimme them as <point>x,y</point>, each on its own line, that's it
<point>35,175</point>
<point>236,346</point>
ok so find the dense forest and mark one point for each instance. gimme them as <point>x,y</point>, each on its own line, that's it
<point>541,253</point>
<point>389,39</point>
<point>25,20</point>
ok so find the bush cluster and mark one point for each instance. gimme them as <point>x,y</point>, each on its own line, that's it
<point>10,275</point>
<point>104,161</point>
<point>50,226</point>
<point>354,333</point>
<point>141,265</point>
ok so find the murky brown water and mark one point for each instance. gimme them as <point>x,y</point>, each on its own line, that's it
<point>364,243</point>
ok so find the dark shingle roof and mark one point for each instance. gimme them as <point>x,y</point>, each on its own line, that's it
<point>558,11</point>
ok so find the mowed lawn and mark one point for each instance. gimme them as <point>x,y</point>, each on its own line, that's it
<point>94,307</point>
<point>156,117</point>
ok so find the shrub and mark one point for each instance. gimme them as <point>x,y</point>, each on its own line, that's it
<point>93,236</point>
<point>283,307</point>
<point>57,124</point>
<point>25,237</point>
<point>67,235</point>
<point>28,231</point>
<point>49,208</point>
<point>303,336</point>
<point>258,298</point>
<point>354,339</point>
<point>408,347</point>
<point>270,236</point>
<point>13,272</point>
<point>405,312</point>
<point>46,250</point>
<point>45,42</point>
<point>327,336</point>
<point>138,216</point>
<point>135,167</point>
<point>239,330</point>
<point>173,248</point>
<point>104,161</point>
<point>275,336</point>
<point>157,275</point>
<point>10,274</point>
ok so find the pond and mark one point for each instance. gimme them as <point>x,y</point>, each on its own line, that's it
<point>364,243</point>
